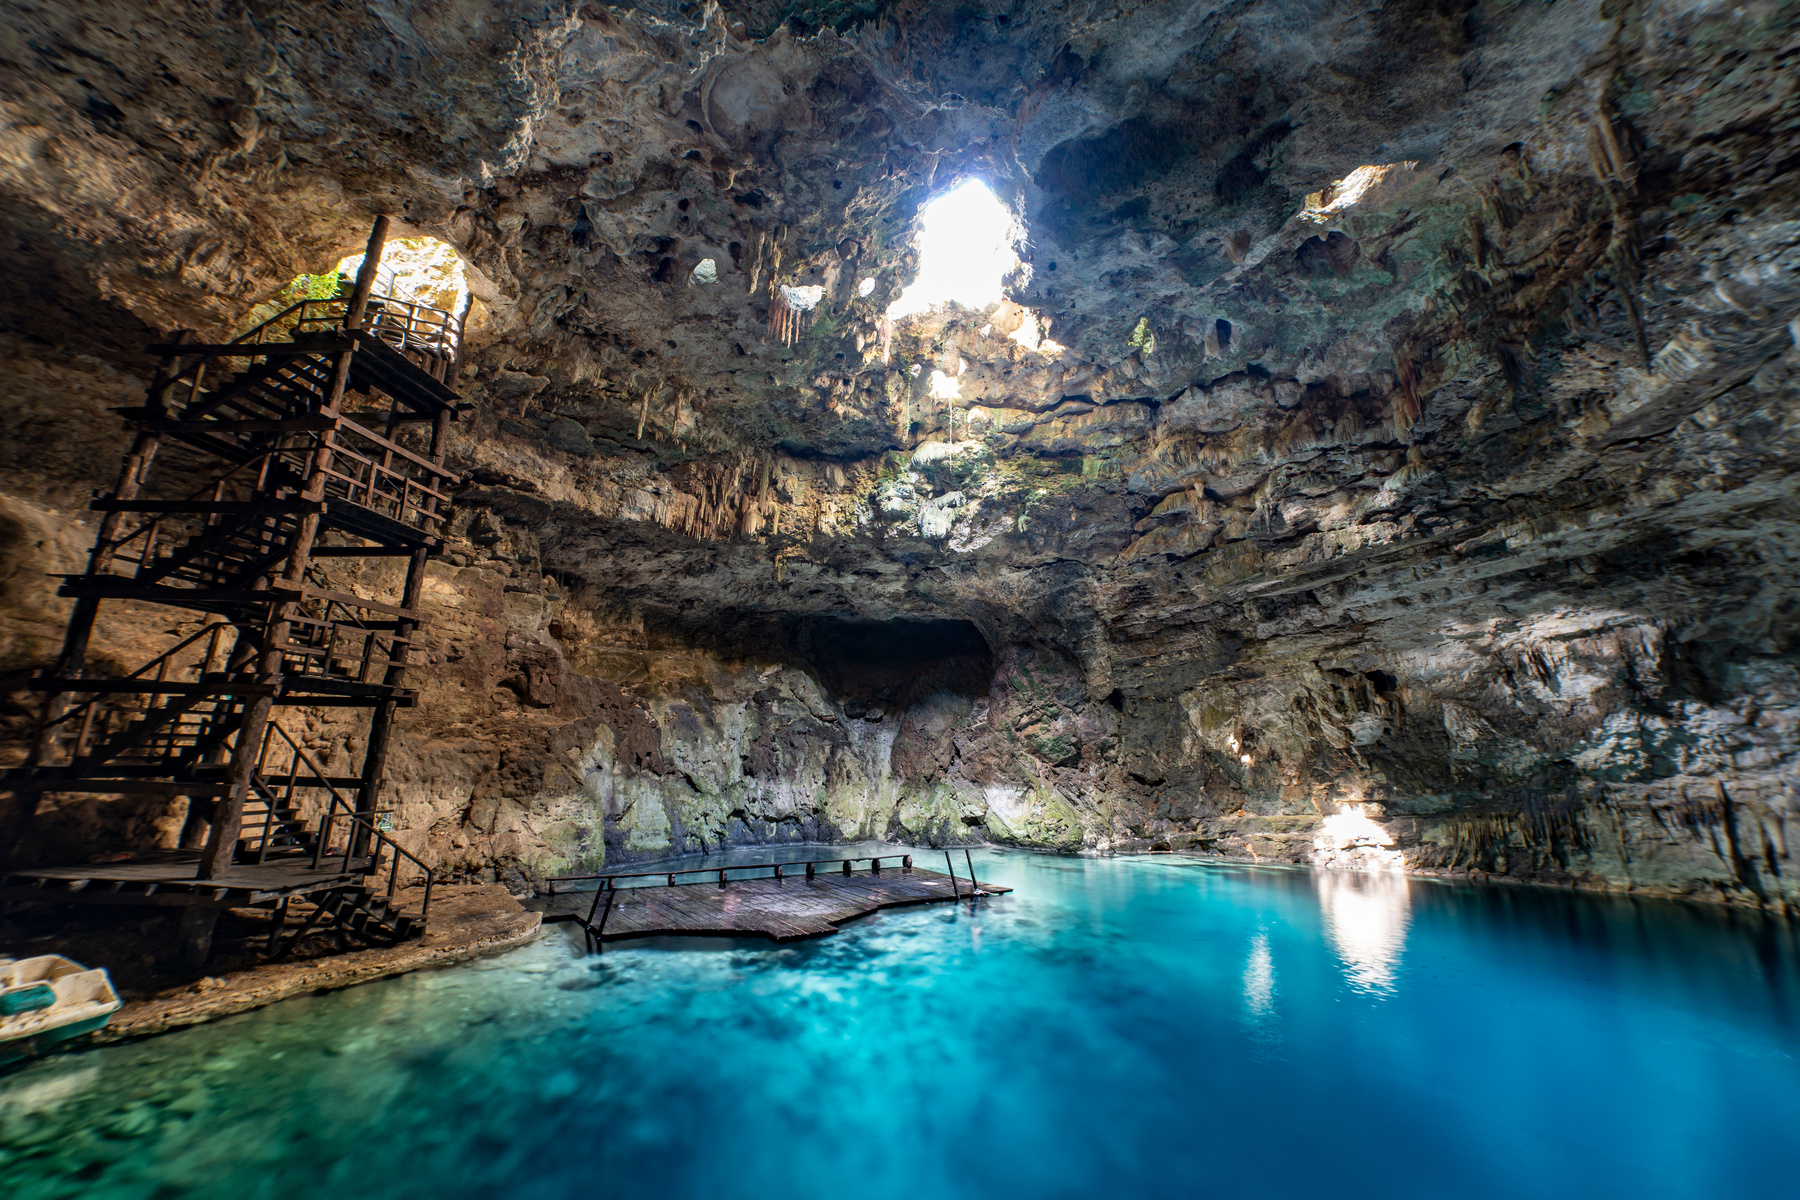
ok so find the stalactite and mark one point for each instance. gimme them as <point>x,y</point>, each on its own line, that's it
<point>777,312</point>
<point>756,264</point>
<point>784,317</point>
<point>1408,409</point>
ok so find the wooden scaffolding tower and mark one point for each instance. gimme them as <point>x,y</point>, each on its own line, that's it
<point>254,462</point>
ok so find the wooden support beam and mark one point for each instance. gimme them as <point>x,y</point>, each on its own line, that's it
<point>208,425</point>
<point>152,687</point>
<point>437,469</point>
<point>227,508</point>
<point>129,787</point>
<point>301,699</point>
<point>362,551</point>
<point>410,417</point>
<point>365,275</point>
<point>345,598</point>
<point>312,345</point>
<point>228,814</point>
<point>381,721</point>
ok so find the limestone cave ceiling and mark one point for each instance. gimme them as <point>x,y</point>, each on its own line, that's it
<point>1397,346</point>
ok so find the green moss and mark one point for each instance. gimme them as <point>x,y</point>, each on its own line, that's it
<point>1053,822</point>
<point>313,287</point>
<point>1141,338</point>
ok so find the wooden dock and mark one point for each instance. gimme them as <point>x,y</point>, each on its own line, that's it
<point>787,904</point>
<point>174,878</point>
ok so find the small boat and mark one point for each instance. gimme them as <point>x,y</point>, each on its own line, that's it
<point>50,999</point>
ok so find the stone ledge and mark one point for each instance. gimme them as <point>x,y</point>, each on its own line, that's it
<point>468,921</point>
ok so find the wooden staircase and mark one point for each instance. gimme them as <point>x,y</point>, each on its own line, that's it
<point>355,913</point>
<point>310,424</point>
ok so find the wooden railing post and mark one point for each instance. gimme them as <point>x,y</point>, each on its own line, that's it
<point>268,831</point>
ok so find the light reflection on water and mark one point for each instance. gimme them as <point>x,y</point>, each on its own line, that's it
<point>1259,979</point>
<point>1124,1027</point>
<point>1366,914</point>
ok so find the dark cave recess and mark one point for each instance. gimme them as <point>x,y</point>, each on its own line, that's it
<point>868,666</point>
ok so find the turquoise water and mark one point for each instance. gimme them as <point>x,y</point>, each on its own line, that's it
<point>1126,1027</point>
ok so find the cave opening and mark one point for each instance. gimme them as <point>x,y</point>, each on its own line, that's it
<point>871,667</point>
<point>875,666</point>
<point>966,250</point>
<point>417,270</point>
<point>424,271</point>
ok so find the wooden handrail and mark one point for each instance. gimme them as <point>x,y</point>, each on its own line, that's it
<point>161,662</point>
<point>376,469</point>
<point>385,637</point>
<point>437,469</point>
<point>350,814</point>
<point>436,334</point>
<point>349,601</point>
<point>874,860</point>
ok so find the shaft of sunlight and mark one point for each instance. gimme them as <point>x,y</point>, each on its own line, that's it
<point>966,239</point>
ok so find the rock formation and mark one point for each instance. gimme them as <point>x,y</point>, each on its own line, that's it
<point>1394,407</point>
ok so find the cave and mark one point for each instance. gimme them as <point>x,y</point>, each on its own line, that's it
<point>778,544</point>
<point>879,666</point>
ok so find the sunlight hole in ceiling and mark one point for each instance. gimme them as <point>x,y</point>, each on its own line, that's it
<point>966,240</point>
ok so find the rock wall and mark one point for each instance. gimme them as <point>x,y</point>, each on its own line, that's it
<point>1385,454</point>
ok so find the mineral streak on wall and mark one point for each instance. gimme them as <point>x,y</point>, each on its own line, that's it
<point>1398,468</point>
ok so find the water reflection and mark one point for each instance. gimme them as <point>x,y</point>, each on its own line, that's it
<point>1259,979</point>
<point>1352,840</point>
<point>1116,1005</point>
<point>1366,915</point>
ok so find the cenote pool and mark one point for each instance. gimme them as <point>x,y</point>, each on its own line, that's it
<point>1131,1027</point>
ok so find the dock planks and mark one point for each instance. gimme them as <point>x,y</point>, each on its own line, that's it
<point>173,878</point>
<point>784,910</point>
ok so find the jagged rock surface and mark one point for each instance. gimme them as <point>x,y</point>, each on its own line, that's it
<point>1418,428</point>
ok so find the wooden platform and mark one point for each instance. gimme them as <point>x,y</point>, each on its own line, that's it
<point>784,910</point>
<point>169,879</point>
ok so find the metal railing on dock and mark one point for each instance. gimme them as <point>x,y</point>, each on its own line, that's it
<point>777,869</point>
<point>608,885</point>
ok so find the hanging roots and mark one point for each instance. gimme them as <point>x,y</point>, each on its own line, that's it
<point>784,318</point>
